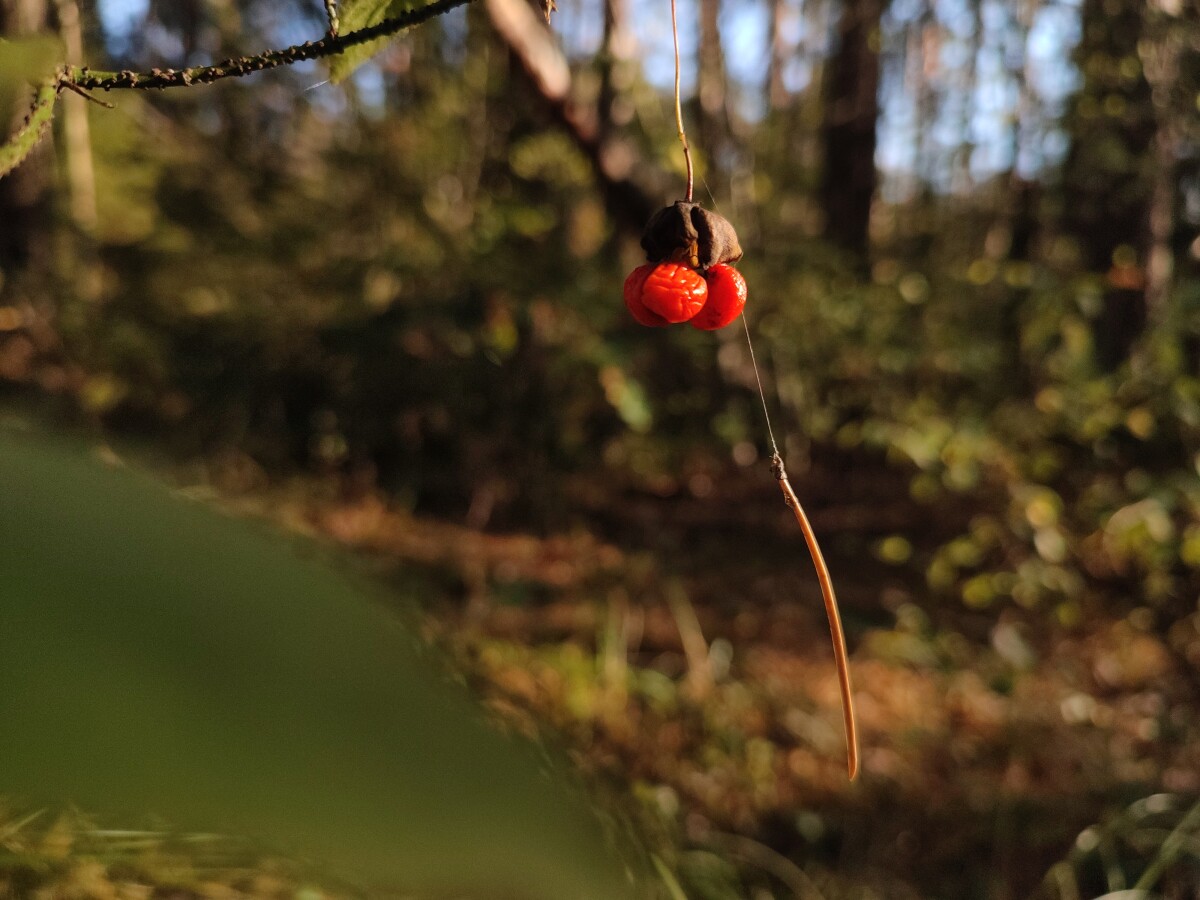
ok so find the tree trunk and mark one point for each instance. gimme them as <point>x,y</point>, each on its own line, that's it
<point>777,95</point>
<point>1106,178</point>
<point>1170,56</point>
<point>851,111</point>
<point>545,70</point>
<point>1016,218</point>
<point>1019,217</point>
<point>713,120</point>
<point>81,176</point>
<point>617,72</point>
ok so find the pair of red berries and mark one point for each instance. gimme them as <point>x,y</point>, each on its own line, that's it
<point>687,278</point>
<point>666,293</point>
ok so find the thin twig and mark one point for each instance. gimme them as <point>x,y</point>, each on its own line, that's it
<point>332,14</point>
<point>236,67</point>
<point>687,153</point>
<point>87,95</point>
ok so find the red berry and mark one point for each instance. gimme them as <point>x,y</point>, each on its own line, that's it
<point>673,291</point>
<point>726,298</point>
<point>633,298</point>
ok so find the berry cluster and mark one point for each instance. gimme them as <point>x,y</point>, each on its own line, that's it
<point>666,293</point>
<point>688,277</point>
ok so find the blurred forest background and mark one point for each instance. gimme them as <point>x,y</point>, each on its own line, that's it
<point>388,312</point>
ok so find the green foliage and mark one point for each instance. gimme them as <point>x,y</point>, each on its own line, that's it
<point>432,297</point>
<point>354,15</point>
<point>26,61</point>
<point>411,288</point>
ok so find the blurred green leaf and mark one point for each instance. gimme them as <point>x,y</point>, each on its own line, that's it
<point>24,62</point>
<point>355,15</point>
<point>159,658</point>
<point>28,60</point>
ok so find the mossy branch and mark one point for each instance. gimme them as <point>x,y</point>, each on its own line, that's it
<point>82,79</point>
<point>36,123</point>
<point>330,45</point>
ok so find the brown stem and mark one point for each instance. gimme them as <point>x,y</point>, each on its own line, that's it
<point>831,611</point>
<point>687,153</point>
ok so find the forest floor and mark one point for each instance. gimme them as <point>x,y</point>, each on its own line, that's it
<point>674,644</point>
<point>677,648</point>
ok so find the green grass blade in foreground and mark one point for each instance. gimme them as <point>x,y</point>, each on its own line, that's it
<point>160,658</point>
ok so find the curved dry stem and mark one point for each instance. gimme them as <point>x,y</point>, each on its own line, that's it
<point>831,611</point>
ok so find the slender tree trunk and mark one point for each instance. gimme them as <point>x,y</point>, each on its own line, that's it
<point>1106,183</point>
<point>962,181</point>
<point>544,69</point>
<point>1163,56</point>
<point>922,72</point>
<point>851,111</point>
<point>1019,219</point>
<point>616,68</point>
<point>1160,258</point>
<point>777,95</point>
<point>1016,222</point>
<point>713,121</point>
<point>81,176</point>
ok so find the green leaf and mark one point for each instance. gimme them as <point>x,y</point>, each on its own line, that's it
<point>161,658</point>
<point>356,15</point>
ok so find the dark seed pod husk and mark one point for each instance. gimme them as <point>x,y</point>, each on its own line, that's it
<point>688,233</point>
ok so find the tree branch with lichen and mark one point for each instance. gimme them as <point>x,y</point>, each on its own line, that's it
<point>81,78</point>
<point>26,137</point>
<point>236,67</point>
